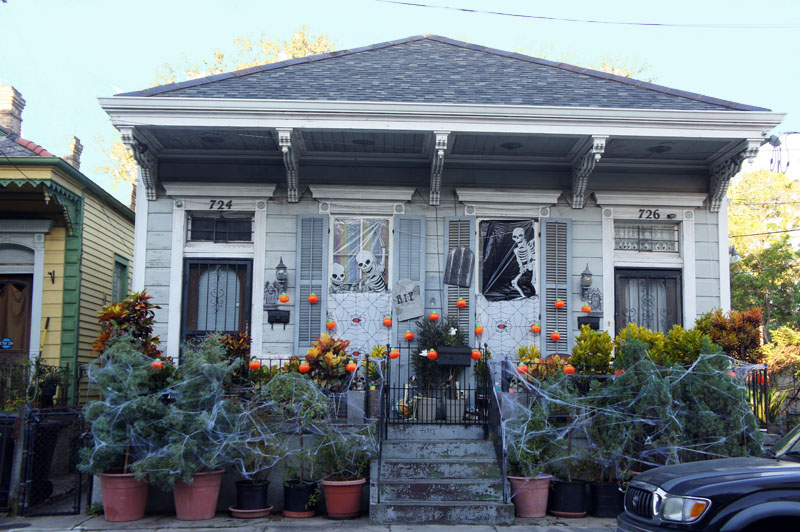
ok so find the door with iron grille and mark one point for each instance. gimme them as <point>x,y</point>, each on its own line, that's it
<point>648,298</point>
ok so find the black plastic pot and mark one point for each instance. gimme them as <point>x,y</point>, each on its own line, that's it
<point>606,499</point>
<point>251,496</point>
<point>568,499</point>
<point>296,495</point>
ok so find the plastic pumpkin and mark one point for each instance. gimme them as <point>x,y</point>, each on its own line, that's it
<point>304,367</point>
<point>586,308</point>
<point>331,324</point>
<point>434,316</point>
<point>351,366</point>
<point>394,353</point>
<point>284,298</point>
<point>408,335</point>
<point>555,336</point>
<point>461,302</point>
<point>387,321</point>
<point>569,369</point>
<point>432,354</point>
<point>157,364</point>
<point>479,329</point>
<point>313,298</point>
<point>618,372</point>
<point>476,354</point>
<point>731,374</point>
<point>522,368</point>
<point>559,303</point>
<point>761,379</point>
<point>536,328</point>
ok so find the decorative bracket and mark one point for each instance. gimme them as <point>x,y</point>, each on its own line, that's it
<point>583,167</point>
<point>145,158</point>
<point>722,172</point>
<point>437,165</point>
<point>290,162</point>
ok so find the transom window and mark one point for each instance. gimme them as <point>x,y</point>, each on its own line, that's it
<point>228,227</point>
<point>360,260</point>
<point>630,236</point>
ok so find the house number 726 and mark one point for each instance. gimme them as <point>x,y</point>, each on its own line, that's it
<point>649,214</point>
<point>220,204</point>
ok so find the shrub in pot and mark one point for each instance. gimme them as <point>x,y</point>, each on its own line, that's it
<point>343,460</point>
<point>608,433</point>
<point>435,383</point>
<point>529,439</point>
<point>197,433</point>
<point>122,423</point>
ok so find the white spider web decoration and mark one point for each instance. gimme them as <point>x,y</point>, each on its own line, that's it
<point>359,318</point>
<point>507,324</point>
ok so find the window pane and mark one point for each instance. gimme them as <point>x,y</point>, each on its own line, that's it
<point>202,229</point>
<point>646,237</point>
<point>361,247</point>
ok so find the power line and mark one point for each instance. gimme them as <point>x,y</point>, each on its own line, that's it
<point>593,21</point>
<point>767,233</point>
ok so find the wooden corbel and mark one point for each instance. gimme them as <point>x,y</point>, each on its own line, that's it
<point>583,167</point>
<point>437,165</point>
<point>145,158</point>
<point>725,169</point>
<point>290,162</point>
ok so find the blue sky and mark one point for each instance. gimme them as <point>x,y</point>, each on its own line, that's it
<point>64,54</point>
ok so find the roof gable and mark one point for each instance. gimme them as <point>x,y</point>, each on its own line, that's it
<point>432,69</point>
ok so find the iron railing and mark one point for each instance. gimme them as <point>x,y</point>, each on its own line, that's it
<point>495,429</point>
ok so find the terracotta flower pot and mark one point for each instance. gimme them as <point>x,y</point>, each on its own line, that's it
<point>124,497</point>
<point>343,497</point>
<point>530,495</point>
<point>198,500</point>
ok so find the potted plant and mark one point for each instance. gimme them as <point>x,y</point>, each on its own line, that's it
<point>122,422</point>
<point>530,442</point>
<point>344,458</point>
<point>608,432</point>
<point>301,407</point>
<point>197,433</point>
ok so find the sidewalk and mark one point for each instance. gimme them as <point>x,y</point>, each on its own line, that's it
<point>277,523</point>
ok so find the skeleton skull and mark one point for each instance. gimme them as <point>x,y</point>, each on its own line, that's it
<point>366,260</point>
<point>337,275</point>
<point>518,234</point>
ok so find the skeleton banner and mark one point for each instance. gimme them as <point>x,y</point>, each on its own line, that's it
<point>508,260</point>
<point>360,255</point>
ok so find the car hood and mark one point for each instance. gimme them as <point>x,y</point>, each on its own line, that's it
<point>688,479</point>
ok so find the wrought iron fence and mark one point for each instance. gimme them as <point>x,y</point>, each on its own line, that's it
<point>495,428</point>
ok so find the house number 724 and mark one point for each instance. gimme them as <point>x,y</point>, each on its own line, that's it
<point>649,214</point>
<point>220,204</point>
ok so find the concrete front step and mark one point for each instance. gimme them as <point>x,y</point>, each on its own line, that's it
<point>454,489</point>
<point>478,513</point>
<point>435,432</point>
<point>439,468</point>
<point>434,449</point>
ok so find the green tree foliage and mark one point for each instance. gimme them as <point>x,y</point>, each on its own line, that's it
<point>432,334</point>
<point>738,332</point>
<point>783,353</point>
<point>592,351</point>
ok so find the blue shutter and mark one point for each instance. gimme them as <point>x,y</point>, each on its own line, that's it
<point>460,232</point>
<point>409,261</point>
<point>311,276</point>
<point>556,276</point>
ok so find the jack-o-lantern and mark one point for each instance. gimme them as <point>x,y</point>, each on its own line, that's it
<point>387,321</point>
<point>569,369</point>
<point>536,328</point>
<point>559,303</point>
<point>522,368</point>
<point>351,366</point>
<point>284,298</point>
<point>461,302</point>
<point>157,364</point>
<point>394,353</point>
<point>479,329</point>
<point>313,298</point>
<point>254,364</point>
<point>331,324</point>
<point>304,367</point>
<point>586,308</point>
<point>434,316</point>
<point>408,335</point>
<point>555,336</point>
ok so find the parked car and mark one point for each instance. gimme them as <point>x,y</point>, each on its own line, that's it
<point>725,495</point>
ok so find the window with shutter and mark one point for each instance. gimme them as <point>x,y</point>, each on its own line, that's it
<point>311,277</point>
<point>460,233</point>
<point>409,243</point>
<point>556,284</point>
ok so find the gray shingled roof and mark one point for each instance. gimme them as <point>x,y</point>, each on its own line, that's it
<point>431,69</point>
<point>9,147</point>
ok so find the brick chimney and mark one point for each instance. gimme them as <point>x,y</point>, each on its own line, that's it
<point>74,158</point>
<point>11,105</point>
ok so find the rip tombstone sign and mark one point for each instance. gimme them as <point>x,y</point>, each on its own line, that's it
<point>407,301</point>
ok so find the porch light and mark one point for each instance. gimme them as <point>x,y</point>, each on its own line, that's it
<point>282,275</point>
<point>586,283</point>
<point>734,255</point>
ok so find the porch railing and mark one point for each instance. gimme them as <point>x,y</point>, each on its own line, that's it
<point>495,428</point>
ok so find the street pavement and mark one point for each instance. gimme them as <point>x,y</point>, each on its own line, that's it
<point>276,523</point>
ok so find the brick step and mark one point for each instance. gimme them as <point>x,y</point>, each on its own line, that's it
<point>437,449</point>
<point>439,468</point>
<point>475,490</point>
<point>453,512</point>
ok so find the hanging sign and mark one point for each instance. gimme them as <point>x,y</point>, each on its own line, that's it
<point>508,264</point>
<point>407,301</point>
<point>458,268</point>
<point>6,343</point>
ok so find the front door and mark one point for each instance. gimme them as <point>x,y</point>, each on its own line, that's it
<point>16,292</point>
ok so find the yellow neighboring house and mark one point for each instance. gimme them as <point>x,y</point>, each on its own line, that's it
<point>66,248</point>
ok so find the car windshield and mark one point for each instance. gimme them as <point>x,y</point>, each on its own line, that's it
<point>789,444</point>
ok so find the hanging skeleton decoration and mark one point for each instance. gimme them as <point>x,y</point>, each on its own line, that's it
<point>525,252</point>
<point>337,278</point>
<point>372,271</point>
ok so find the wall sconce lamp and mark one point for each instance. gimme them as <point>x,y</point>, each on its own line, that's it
<point>282,275</point>
<point>734,255</point>
<point>52,275</point>
<point>586,283</point>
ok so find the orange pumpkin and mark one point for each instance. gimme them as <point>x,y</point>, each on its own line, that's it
<point>254,364</point>
<point>408,335</point>
<point>555,336</point>
<point>536,328</point>
<point>619,372</point>
<point>522,368</point>
<point>731,374</point>
<point>586,308</point>
<point>432,354</point>
<point>434,316</point>
<point>479,329</point>
<point>569,369</point>
<point>304,367</point>
<point>284,298</point>
<point>394,353</point>
<point>157,364</point>
<point>476,354</point>
<point>461,302</point>
<point>331,324</point>
<point>387,321</point>
<point>313,298</point>
<point>559,303</point>
<point>351,366</point>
